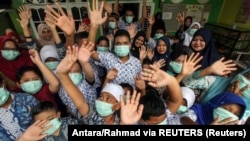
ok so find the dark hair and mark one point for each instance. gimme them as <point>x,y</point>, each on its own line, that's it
<point>153,105</point>
<point>139,34</point>
<point>101,38</point>
<point>122,32</point>
<point>42,107</point>
<point>81,35</point>
<point>147,61</point>
<point>160,28</point>
<point>127,86</point>
<point>114,15</point>
<point>24,69</point>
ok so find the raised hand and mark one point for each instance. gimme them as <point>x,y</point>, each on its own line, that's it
<point>160,63</point>
<point>34,56</point>
<point>83,27</point>
<point>151,20</point>
<point>227,121</point>
<point>190,64</point>
<point>150,53</point>
<point>68,61</point>
<point>140,83</point>
<point>24,15</point>
<point>35,131</point>
<point>155,77</point>
<point>112,74</point>
<point>180,18</point>
<point>143,52</point>
<point>222,67</point>
<point>64,22</point>
<point>132,30</point>
<point>85,52</point>
<point>130,111</point>
<point>50,21</point>
<point>95,14</point>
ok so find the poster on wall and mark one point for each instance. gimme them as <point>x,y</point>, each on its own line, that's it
<point>244,12</point>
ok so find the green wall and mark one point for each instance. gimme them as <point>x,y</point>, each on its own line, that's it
<point>229,17</point>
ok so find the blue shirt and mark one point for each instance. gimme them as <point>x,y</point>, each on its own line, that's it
<point>16,118</point>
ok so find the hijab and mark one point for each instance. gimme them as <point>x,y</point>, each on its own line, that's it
<point>188,37</point>
<point>205,112</point>
<point>210,53</point>
<point>10,68</point>
<point>43,42</point>
<point>164,56</point>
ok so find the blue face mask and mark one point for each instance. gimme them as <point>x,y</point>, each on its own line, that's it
<point>158,36</point>
<point>32,87</point>
<point>55,125</point>
<point>10,54</point>
<point>122,50</point>
<point>243,82</point>
<point>182,109</point>
<point>102,49</point>
<point>112,25</point>
<point>129,19</point>
<point>223,114</point>
<point>177,67</point>
<point>103,108</point>
<point>52,65</point>
<point>76,78</point>
<point>4,95</point>
<point>192,31</point>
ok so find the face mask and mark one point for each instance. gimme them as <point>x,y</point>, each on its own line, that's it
<point>129,19</point>
<point>182,109</point>
<point>122,50</point>
<point>32,87</point>
<point>55,124</point>
<point>158,36</point>
<point>102,49</point>
<point>243,82</point>
<point>10,54</point>
<point>112,25</point>
<point>103,108</point>
<point>192,31</point>
<point>52,65</point>
<point>223,114</point>
<point>76,78</point>
<point>4,95</point>
<point>177,67</point>
<point>164,122</point>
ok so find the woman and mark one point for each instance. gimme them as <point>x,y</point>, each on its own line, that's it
<point>203,43</point>
<point>45,35</point>
<point>11,60</point>
<point>139,40</point>
<point>190,33</point>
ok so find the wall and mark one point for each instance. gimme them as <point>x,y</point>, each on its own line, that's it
<point>229,18</point>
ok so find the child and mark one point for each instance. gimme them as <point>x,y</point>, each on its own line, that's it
<point>15,112</point>
<point>58,130</point>
<point>224,109</point>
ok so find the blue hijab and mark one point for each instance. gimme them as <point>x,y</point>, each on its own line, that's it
<point>210,53</point>
<point>205,112</point>
<point>164,56</point>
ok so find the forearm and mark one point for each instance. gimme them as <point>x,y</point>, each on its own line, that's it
<point>70,40</point>
<point>27,34</point>
<point>144,12</point>
<point>88,70</point>
<point>116,7</point>
<point>204,72</point>
<point>9,83</point>
<point>180,77</point>
<point>74,93</point>
<point>50,77</point>
<point>92,33</point>
<point>56,36</point>
<point>149,30</point>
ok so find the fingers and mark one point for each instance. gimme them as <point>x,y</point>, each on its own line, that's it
<point>60,8</point>
<point>52,12</point>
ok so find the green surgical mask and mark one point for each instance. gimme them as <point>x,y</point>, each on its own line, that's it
<point>129,19</point>
<point>76,78</point>
<point>243,82</point>
<point>112,25</point>
<point>52,65</point>
<point>4,95</point>
<point>103,108</point>
<point>223,114</point>
<point>192,31</point>
<point>158,36</point>
<point>122,50</point>
<point>32,87</point>
<point>55,125</point>
<point>10,54</point>
<point>102,49</point>
<point>177,67</point>
<point>164,122</point>
<point>182,109</point>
